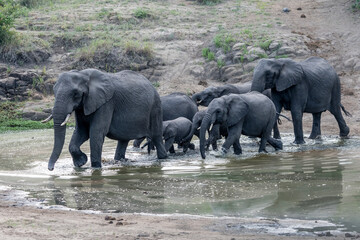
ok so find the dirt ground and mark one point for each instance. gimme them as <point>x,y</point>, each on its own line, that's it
<point>335,35</point>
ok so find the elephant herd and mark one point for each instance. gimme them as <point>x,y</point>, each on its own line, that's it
<point>125,106</point>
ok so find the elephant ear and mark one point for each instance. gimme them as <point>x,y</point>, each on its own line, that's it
<point>291,74</point>
<point>168,131</point>
<point>101,90</point>
<point>237,110</point>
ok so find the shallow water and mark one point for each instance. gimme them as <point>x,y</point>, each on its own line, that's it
<point>316,181</point>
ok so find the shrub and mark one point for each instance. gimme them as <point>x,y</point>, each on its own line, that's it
<point>7,11</point>
<point>224,41</point>
<point>356,4</point>
<point>208,2</point>
<point>141,13</point>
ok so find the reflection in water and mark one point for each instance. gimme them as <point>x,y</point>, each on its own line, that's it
<point>319,180</point>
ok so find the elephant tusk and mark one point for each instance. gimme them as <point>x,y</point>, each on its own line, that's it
<point>66,119</point>
<point>47,119</point>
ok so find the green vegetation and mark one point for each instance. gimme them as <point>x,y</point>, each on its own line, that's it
<point>220,63</point>
<point>10,119</point>
<point>8,10</point>
<point>208,54</point>
<point>224,41</point>
<point>264,44</point>
<point>208,2</point>
<point>356,4</point>
<point>142,13</point>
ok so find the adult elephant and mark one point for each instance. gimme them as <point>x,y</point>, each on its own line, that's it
<point>173,106</point>
<point>204,97</point>
<point>251,114</point>
<point>121,106</point>
<point>310,86</point>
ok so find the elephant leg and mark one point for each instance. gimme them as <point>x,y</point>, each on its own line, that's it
<point>96,145</point>
<point>160,148</point>
<point>77,139</point>
<point>276,132</point>
<point>137,142</point>
<point>233,136</point>
<point>276,143</point>
<point>121,149</point>
<point>214,135</point>
<point>316,130</point>
<point>237,147</point>
<point>169,145</point>
<point>344,129</point>
<point>297,122</point>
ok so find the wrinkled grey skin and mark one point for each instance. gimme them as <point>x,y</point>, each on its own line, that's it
<point>310,86</point>
<point>251,114</point>
<point>174,131</point>
<point>121,106</point>
<point>173,106</point>
<point>216,132</point>
<point>204,97</point>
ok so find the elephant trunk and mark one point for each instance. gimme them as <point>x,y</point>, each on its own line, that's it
<point>204,127</point>
<point>257,86</point>
<point>196,98</point>
<point>59,116</point>
<point>191,133</point>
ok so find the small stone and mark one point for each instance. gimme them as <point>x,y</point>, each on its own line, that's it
<point>349,235</point>
<point>286,10</point>
<point>109,218</point>
<point>299,9</point>
<point>303,16</point>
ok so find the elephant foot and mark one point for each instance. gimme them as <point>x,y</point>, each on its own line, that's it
<point>81,160</point>
<point>299,142</point>
<point>223,151</point>
<point>315,136</point>
<point>263,151</point>
<point>344,133</point>
<point>237,151</point>
<point>96,164</point>
<point>192,146</point>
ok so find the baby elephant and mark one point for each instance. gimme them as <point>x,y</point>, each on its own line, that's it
<point>174,131</point>
<point>252,114</point>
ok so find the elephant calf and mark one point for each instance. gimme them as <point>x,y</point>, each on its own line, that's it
<point>252,114</point>
<point>174,131</point>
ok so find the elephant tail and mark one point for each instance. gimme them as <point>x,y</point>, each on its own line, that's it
<point>281,115</point>
<point>344,110</point>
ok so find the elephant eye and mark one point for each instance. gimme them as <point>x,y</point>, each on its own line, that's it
<point>76,94</point>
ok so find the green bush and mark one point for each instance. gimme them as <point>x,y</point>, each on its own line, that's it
<point>208,2</point>
<point>208,54</point>
<point>7,15</point>
<point>356,4</point>
<point>141,13</point>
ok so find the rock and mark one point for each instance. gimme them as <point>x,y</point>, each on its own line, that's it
<point>350,63</point>
<point>357,67</point>
<point>274,45</point>
<point>211,71</point>
<point>250,67</point>
<point>238,47</point>
<point>35,116</point>
<point>109,218</point>
<point>286,10</point>
<point>232,71</point>
<point>196,70</point>
<point>285,50</point>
